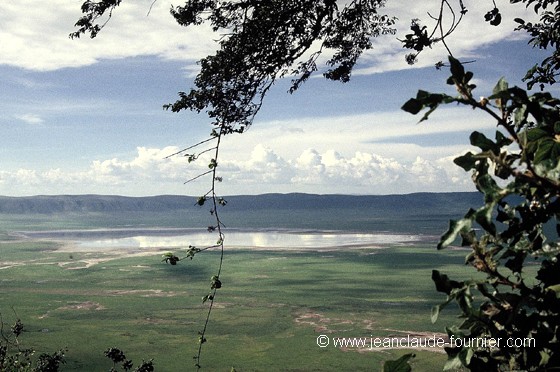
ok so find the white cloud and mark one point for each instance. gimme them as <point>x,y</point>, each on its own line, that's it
<point>34,35</point>
<point>363,169</point>
<point>391,134</point>
<point>29,118</point>
<point>148,172</point>
<point>361,172</point>
<point>263,166</point>
<point>149,164</point>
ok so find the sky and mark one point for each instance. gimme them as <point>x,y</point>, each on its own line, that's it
<point>85,116</point>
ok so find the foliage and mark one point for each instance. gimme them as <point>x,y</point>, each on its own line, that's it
<point>261,42</point>
<point>93,11</point>
<point>216,201</point>
<point>543,35</point>
<point>518,173</point>
<point>14,357</point>
<point>118,357</point>
<point>399,365</point>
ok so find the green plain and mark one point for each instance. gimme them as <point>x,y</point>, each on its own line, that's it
<point>267,317</point>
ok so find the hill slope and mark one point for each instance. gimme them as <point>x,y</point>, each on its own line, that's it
<point>410,203</point>
<point>425,213</point>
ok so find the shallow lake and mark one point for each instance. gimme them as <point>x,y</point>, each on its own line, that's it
<point>262,239</point>
<point>267,239</point>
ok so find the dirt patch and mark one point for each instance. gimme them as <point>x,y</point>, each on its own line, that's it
<point>88,305</point>
<point>261,276</point>
<point>321,323</point>
<point>368,324</point>
<point>222,305</point>
<point>144,293</point>
<point>83,264</point>
<point>8,265</point>
<point>101,257</point>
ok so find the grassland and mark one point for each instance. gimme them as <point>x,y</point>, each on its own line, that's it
<point>268,315</point>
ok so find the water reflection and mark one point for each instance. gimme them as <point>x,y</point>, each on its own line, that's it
<point>243,239</point>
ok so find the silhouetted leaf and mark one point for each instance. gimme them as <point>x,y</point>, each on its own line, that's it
<point>399,365</point>
<point>443,283</point>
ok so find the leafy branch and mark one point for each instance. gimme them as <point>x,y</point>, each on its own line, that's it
<point>419,39</point>
<point>453,14</point>
<point>14,357</point>
<point>544,35</point>
<point>118,357</point>
<point>518,174</point>
<point>216,201</point>
<point>261,42</point>
<point>93,11</point>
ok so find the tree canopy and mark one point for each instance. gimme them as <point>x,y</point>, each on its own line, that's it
<point>263,41</point>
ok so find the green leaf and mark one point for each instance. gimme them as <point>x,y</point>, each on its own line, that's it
<point>488,186</point>
<point>453,363</point>
<point>536,134</point>
<point>412,106</point>
<point>457,69</point>
<point>466,355</point>
<point>544,150</point>
<point>555,288</point>
<point>455,227</point>
<point>426,100</point>
<point>170,258</point>
<point>215,282</point>
<point>545,357</point>
<point>548,149</point>
<point>549,168</point>
<point>444,284</point>
<point>399,365</point>
<point>500,88</point>
<point>480,140</point>
<point>469,237</point>
<point>483,217</point>
<point>515,264</point>
<point>435,313</point>
<point>502,140</point>
<point>467,161</point>
<point>520,116</point>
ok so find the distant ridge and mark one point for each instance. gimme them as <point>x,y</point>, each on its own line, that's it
<point>48,204</point>
<point>416,202</point>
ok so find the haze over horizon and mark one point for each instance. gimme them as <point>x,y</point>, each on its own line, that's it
<point>85,116</point>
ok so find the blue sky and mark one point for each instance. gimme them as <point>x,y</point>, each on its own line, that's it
<point>85,116</point>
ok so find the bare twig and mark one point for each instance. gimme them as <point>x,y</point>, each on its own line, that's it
<point>197,177</point>
<point>190,147</point>
<point>219,245</point>
<point>150,10</point>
